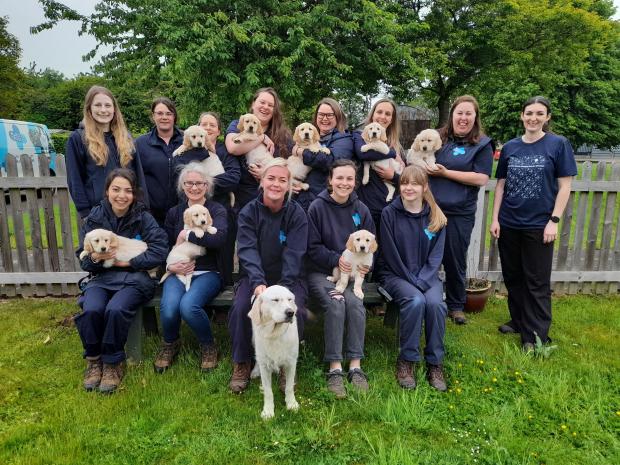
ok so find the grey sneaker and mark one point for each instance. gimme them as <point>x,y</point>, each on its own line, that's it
<point>359,379</point>
<point>335,383</point>
<point>405,374</point>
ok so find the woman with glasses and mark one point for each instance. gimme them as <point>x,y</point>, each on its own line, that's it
<point>155,150</point>
<point>331,122</point>
<point>176,303</point>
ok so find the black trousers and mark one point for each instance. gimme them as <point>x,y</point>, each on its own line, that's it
<point>458,236</point>
<point>526,267</point>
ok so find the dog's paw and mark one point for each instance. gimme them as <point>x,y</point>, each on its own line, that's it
<point>292,405</point>
<point>341,288</point>
<point>325,150</point>
<point>358,293</point>
<point>365,148</point>
<point>212,230</point>
<point>178,151</point>
<point>266,414</point>
<point>255,372</point>
<point>305,186</point>
<point>331,279</point>
<point>237,140</point>
<point>199,233</point>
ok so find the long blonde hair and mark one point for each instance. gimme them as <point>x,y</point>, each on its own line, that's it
<point>93,135</point>
<point>393,130</point>
<point>414,174</point>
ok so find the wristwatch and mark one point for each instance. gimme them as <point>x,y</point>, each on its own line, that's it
<point>555,219</point>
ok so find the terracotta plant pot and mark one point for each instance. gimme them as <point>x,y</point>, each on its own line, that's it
<point>476,296</point>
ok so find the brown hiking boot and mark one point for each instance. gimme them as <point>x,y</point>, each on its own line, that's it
<point>434,375</point>
<point>405,374</point>
<point>209,357</point>
<point>359,379</point>
<point>457,316</point>
<point>166,355</point>
<point>92,374</point>
<point>111,378</point>
<point>240,377</point>
<point>335,384</point>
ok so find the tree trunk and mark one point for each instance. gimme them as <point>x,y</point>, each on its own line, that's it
<point>443,108</point>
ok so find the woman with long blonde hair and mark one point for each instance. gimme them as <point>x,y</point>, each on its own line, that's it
<point>409,272</point>
<point>101,144</point>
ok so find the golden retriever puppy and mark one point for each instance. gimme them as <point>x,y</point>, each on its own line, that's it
<point>198,220</point>
<point>422,152</point>
<point>307,137</point>
<point>359,249</point>
<point>194,137</point>
<point>276,343</point>
<point>251,130</point>
<point>102,240</point>
<point>375,137</point>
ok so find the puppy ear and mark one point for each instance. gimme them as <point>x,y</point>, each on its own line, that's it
<point>438,143</point>
<point>316,137</point>
<point>209,219</point>
<point>416,145</point>
<point>296,136</point>
<point>240,124</point>
<point>113,240</point>
<point>373,245</point>
<point>88,246</point>
<point>256,313</point>
<point>186,140</point>
<point>259,128</point>
<point>187,217</point>
<point>350,245</point>
<point>365,133</point>
<point>383,134</point>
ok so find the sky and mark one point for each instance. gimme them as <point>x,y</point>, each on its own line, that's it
<point>61,48</point>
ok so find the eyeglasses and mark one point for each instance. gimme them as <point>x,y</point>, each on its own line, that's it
<point>190,184</point>
<point>325,115</point>
<point>163,113</point>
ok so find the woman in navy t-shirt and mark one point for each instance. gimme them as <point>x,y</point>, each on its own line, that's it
<point>464,162</point>
<point>533,187</point>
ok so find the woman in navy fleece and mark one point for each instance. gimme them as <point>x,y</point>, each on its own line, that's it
<point>176,303</point>
<point>272,238</point>
<point>409,272</point>
<point>331,122</point>
<point>534,176</point>
<point>464,164</point>
<point>332,217</point>
<point>373,194</point>
<point>155,151</point>
<point>97,148</point>
<point>266,107</point>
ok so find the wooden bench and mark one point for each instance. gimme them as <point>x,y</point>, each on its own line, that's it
<point>146,317</point>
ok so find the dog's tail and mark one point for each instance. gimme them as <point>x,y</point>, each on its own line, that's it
<point>163,278</point>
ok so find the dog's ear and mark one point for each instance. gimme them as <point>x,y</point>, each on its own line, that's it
<point>256,313</point>
<point>259,128</point>
<point>113,241</point>
<point>365,133</point>
<point>186,140</point>
<point>416,145</point>
<point>88,246</point>
<point>296,136</point>
<point>241,124</point>
<point>316,137</point>
<point>438,142</point>
<point>373,244</point>
<point>350,246</point>
<point>383,134</point>
<point>209,219</point>
<point>187,217</point>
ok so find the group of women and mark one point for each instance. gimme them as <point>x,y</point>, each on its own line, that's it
<point>294,238</point>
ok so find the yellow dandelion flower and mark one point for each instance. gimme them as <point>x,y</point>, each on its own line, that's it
<point>494,380</point>
<point>458,390</point>
<point>574,433</point>
<point>451,407</point>
<point>517,373</point>
<point>520,381</point>
<point>530,417</point>
<point>564,427</point>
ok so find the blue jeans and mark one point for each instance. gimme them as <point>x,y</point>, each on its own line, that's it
<point>177,304</point>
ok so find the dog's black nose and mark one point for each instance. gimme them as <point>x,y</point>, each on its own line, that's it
<point>203,222</point>
<point>424,148</point>
<point>362,247</point>
<point>103,249</point>
<point>289,314</point>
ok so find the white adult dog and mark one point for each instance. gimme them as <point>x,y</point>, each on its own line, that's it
<point>198,220</point>
<point>422,151</point>
<point>359,249</point>
<point>276,343</point>
<point>102,240</point>
<point>375,137</point>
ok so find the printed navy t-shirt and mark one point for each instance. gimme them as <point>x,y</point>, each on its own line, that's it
<point>531,171</point>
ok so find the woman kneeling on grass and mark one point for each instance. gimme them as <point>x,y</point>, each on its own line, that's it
<point>113,295</point>
<point>195,187</point>
<point>408,270</point>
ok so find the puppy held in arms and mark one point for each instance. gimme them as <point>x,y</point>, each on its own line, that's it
<point>250,130</point>
<point>198,220</point>
<point>306,137</point>
<point>375,137</point>
<point>359,249</point>
<point>276,343</point>
<point>422,151</point>
<point>102,241</point>
<point>194,137</point>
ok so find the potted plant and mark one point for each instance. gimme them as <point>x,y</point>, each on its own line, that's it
<point>477,291</point>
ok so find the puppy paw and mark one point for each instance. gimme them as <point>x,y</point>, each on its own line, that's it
<point>325,150</point>
<point>331,279</point>
<point>266,414</point>
<point>199,233</point>
<point>305,186</point>
<point>365,148</point>
<point>342,288</point>
<point>358,293</point>
<point>237,140</point>
<point>292,405</point>
<point>178,151</point>
<point>212,230</point>
<point>255,372</point>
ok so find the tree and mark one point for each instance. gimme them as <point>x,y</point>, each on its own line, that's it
<point>10,74</point>
<point>215,54</point>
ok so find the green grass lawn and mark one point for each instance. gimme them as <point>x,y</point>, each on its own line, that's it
<point>503,407</point>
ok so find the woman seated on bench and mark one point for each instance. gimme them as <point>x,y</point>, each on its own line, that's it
<point>271,242</point>
<point>113,295</point>
<point>176,303</point>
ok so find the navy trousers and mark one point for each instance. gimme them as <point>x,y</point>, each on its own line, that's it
<point>458,235</point>
<point>526,268</point>
<point>240,325</point>
<point>104,323</point>
<point>417,307</point>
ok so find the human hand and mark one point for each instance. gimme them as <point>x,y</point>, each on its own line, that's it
<point>107,255</point>
<point>363,270</point>
<point>550,233</point>
<point>269,144</point>
<point>183,268</point>
<point>345,267</point>
<point>387,174</point>
<point>256,171</point>
<point>494,229</point>
<point>259,289</point>
<point>439,170</point>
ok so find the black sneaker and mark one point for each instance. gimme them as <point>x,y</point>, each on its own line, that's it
<point>507,328</point>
